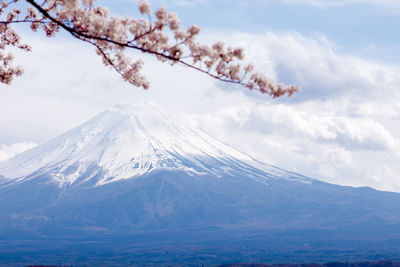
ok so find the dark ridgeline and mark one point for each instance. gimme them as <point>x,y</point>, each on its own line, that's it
<point>330,264</point>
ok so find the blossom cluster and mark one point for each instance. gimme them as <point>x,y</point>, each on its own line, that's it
<point>158,33</point>
<point>8,37</point>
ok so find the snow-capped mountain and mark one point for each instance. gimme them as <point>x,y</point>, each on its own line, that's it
<point>135,173</point>
<point>128,141</point>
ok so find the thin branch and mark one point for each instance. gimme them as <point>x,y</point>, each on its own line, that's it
<point>24,21</point>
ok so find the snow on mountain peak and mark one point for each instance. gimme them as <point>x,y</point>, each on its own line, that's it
<point>127,141</point>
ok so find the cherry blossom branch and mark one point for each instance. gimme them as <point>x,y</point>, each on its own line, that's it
<point>111,36</point>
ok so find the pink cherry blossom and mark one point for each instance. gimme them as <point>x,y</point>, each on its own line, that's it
<point>111,36</point>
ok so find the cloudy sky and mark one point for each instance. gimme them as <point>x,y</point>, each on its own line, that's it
<point>343,127</point>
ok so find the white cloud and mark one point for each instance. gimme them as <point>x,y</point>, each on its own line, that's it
<point>8,151</point>
<point>300,120</point>
<point>316,65</point>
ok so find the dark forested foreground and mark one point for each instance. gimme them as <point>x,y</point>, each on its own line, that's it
<point>331,264</point>
<point>207,248</point>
